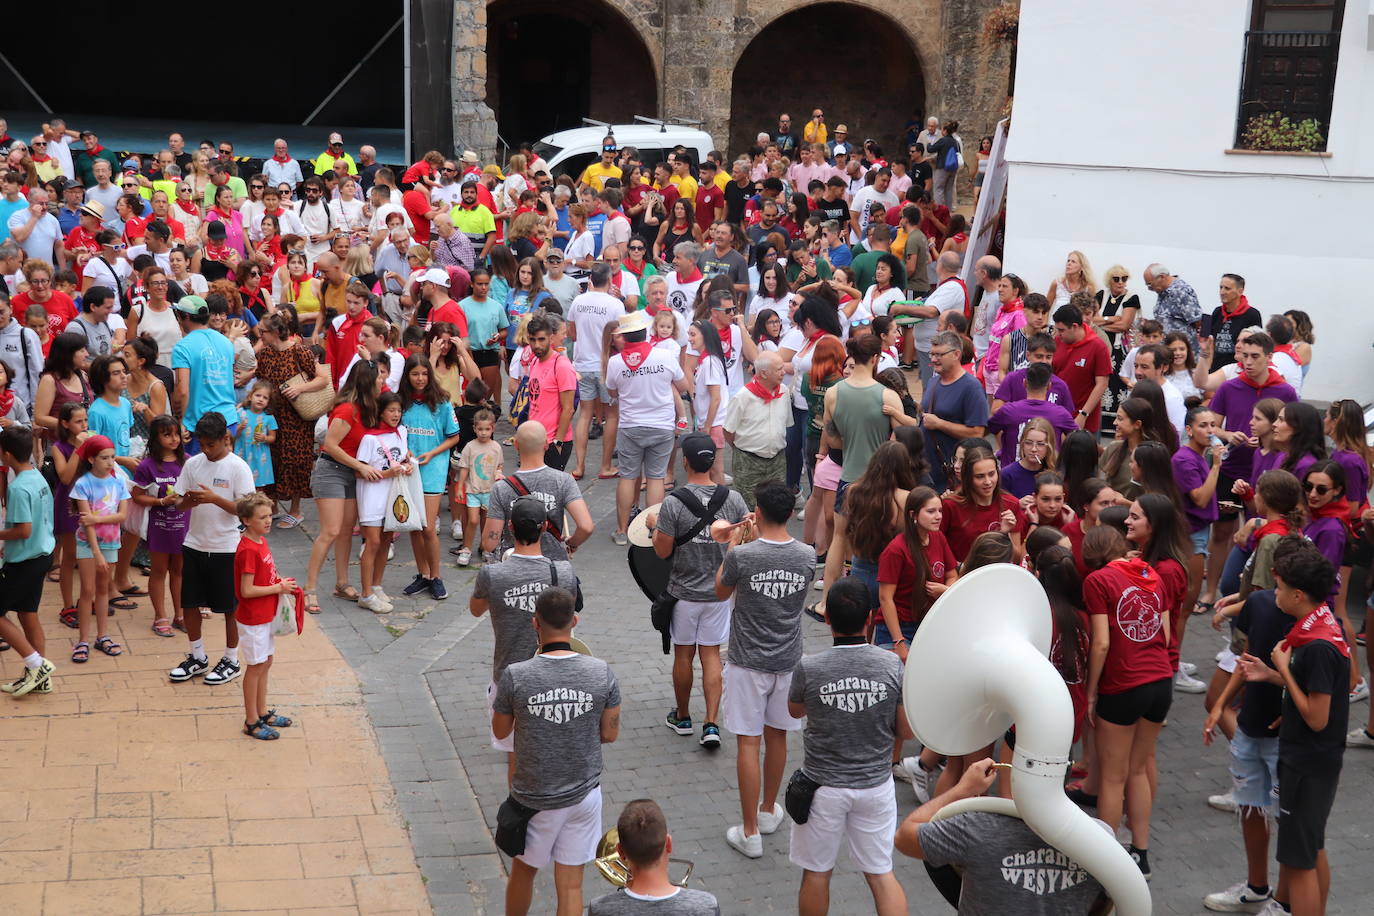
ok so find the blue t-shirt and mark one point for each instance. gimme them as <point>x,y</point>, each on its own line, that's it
<point>596,225</point>
<point>30,501</point>
<point>518,305</point>
<point>564,225</point>
<point>7,210</point>
<point>257,455</point>
<point>103,495</point>
<point>427,427</point>
<point>210,358</point>
<point>963,401</point>
<point>112,421</point>
<point>484,320</point>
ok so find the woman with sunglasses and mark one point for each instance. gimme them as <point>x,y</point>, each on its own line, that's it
<point>154,316</point>
<point>637,261</point>
<point>256,297</point>
<point>301,290</point>
<point>185,210</point>
<point>350,212</point>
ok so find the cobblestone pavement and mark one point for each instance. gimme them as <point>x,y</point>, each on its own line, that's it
<point>424,668</point>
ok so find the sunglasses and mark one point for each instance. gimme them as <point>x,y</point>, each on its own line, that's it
<point>226,152</point>
<point>131,184</point>
<point>1321,488</point>
<point>1122,279</point>
<point>446,169</point>
<point>41,143</point>
<point>729,310</point>
<point>257,187</point>
<point>636,247</point>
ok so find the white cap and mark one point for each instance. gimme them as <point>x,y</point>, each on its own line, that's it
<point>437,276</point>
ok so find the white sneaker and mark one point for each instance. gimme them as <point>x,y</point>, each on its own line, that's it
<point>1225,802</point>
<point>391,551</point>
<point>378,593</point>
<point>751,846</point>
<point>1185,684</point>
<point>801,515</point>
<point>922,780</point>
<point>820,585</point>
<point>768,823</point>
<point>1361,691</point>
<point>457,530</point>
<point>1272,908</point>
<point>1236,899</point>
<point>1187,668</point>
<point>1359,738</point>
<point>374,604</point>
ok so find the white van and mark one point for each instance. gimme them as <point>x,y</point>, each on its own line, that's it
<point>568,152</point>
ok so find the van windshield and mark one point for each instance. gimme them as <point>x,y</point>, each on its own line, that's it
<point>546,151</point>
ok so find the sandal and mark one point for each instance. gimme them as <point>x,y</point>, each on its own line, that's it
<point>109,646</point>
<point>162,626</point>
<point>81,653</point>
<point>69,617</point>
<point>55,574</point>
<point>271,718</point>
<point>1079,797</point>
<point>289,521</point>
<point>122,604</point>
<point>179,624</point>
<point>1203,607</point>
<point>346,592</point>
<point>133,591</point>
<point>312,603</point>
<point>261,731</point>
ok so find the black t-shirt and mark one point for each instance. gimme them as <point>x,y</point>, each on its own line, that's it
<point>1318,667</point>
<point>466,430</point>
<point>920,173</point>
<point>1263,625</point>
<point>1226,331</point>
<point>735,199</point>
<point>523,248</point>
<point>786,143</point>
<point>836,209</point>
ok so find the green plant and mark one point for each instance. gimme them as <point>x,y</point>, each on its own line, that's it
<point>1001,23</point>
<point>1275,132</point>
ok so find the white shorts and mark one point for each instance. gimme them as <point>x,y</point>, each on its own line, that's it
<point>701,623</point>
<point>255,643</point>
<point>565,836</point>
<point>1226,660</point>
<point>501,744</point>
<point>754,699</point>
<point>866,817</point>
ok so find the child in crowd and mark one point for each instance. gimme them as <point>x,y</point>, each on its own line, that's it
<point>473,396</point>
<point>210,485</point>
<point>11,408</point>
<point>256,433</point>
<point>71,432</point>
<point>154,488</point>
<point>1015,346</point>
<point>384,449</point>
<point>29,543</point>
<point>36,320</point>
<point>256,587</point>
<point>432,432</point>
<point>101,496</point>
<point>480,465</point>
<point>1045,506</point>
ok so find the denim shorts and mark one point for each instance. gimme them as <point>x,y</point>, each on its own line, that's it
<point>478,500</point>
<point>331,480</point>
<point>1255,772</point>
<point>592,387</point>
<point>882,636</point>
<point>1200,539</point>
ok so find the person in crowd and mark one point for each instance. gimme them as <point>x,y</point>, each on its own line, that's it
<point>755,426</point>
<point>1232,316</point>
<point>644,844</point>
<point>1176,307</point>
<point>554,487</point>
<point>1084,364</point>
<point>591,313</point>
<point>954,406</point>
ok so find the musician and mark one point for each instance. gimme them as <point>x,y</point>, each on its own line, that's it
<point>556,790</point>
<point>556,488</point>
<point>851,696</point>
<point>645,845</point>
<point>768,579</point>
<point>509,590</point>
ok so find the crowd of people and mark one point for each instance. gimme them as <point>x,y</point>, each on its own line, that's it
<point>189,354</point>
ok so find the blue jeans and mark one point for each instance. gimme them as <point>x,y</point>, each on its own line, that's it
<point>1230,573</point>
<point>796,441</point>
<point>882,637</point>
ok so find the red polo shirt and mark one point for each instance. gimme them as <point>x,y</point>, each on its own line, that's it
<point>709,197</point>
<point>453,313</point>
<point>1080,365</point>
<point>81,240</point>
<point>417,204</point>
<point>342,342</point>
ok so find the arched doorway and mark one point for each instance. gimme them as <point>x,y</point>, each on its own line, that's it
<point>884,86</point>
<point>549,64</point>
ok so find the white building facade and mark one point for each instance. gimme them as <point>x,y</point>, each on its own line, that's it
<point>1123,142</point>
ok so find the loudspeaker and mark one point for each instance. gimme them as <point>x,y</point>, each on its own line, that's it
<point>979,664</point>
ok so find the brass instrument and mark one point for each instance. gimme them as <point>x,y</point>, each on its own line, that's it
<point>617,871</point>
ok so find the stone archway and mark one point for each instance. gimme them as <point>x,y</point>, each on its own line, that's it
<point>549,64</point>
<point>857,35</point>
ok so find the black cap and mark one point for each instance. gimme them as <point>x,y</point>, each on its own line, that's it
<point>699,446</point>
<point>528,514</point>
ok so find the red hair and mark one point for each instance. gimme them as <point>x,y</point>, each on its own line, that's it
<point>827,361</point>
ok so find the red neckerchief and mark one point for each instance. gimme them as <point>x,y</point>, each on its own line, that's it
<point>39,158</point>
<point>1288,348</point>
<point>93,152</point>
<point>816,336</point>
<point>248,292</point>
<point>225,216</point>
<point>1242,306</point>
<point>6,401</point>
<point>282,159</point>
<point>1273,378</point>
<point>696,275</point>
<point>630,266</point>
<point>727,339</point>
<point>1337,508</point>
<point>277,212</point>
<point>634,354</point>
<point>188,207</point>
<point>763,394</point>
<point>1320,624</point>
<point>296,287</point>
<point>655,340</point>
<point>1273,526</point>
<point>217,252</point>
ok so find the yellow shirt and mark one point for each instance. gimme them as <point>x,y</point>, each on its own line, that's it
<point>722,179</point>
<point>324,163</point>
<point>686,186</point>
<point>596,174</point>
<point>813,133</point>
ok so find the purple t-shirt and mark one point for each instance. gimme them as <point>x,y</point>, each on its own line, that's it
<point>1235,401</point>
<point>1190,471</point>
<point>1263,461</point>
<point>1013,388</point>
<point>1018,481</point>
<point>1356,475</point>
<point>1329,534</point>
<point>1012,417</point>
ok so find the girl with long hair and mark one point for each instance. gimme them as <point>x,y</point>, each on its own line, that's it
<point>1344,423</point>
<point>1134,425</point>
<point>980,504</point>
<point>1047,507</point>
<point>1196,471</point>
<point>1153,471</point>
<point>1155,528</point>
<point>1078,456</point>
<point>812,321</point>
<point>772,294</point>
<point>1129,679</point>
<point>1298,434</point>
<point>526,295</point>
<point>1035,454</point>
<point>767,330</point>
<point>71,431</point>
<point>873,506</point>
<point>433,432</point>
<point>154,489</point>
<point>712,389</point>
<point>826,361</point>
<point>1164,430</point>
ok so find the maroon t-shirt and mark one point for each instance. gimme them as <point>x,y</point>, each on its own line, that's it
<point>1134,599</point>
<point>963,522</point>
<point>1079,365</point>
<point>896,567</point>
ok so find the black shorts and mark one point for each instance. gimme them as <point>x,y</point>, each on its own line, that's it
<point>1358,552</point>
<point>1224,495</point>
<point>1148,701</point>
<point>207,580</point>
<point>556,454</point>
<point>1305,802</point>
<point>486,358</point>
<point>22,584</point>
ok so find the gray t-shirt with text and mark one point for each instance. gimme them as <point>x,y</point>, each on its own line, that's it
<point>684,902</point>
<point>1007,868</point>
<point>557,701</point>
<point>695,563</point>
<point>770,581</point>
<point>511,588</point>
<point>852,694</point>
<point>556,488</point>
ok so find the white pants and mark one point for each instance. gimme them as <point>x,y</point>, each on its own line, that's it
<point>866,817</point>
<point>701,623</point>
<point>566,836</point>
<point>754,699</point>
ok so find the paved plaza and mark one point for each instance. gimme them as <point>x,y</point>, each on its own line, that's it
<point>124,793</point>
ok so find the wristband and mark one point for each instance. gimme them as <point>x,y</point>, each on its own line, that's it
<point>901,642</point>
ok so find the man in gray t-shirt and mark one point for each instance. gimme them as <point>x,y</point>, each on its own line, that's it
<point>768,579</point>
<point>561,707</point>
<point>701,621</point>
<point>644,846</point>
<point>557,489</point>
<point>851,696</point>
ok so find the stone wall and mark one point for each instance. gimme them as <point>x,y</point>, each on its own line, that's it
<point>696,46</point>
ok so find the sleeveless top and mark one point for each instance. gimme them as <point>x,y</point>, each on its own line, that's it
<point>140,425</point>
<point>307,303</point>
<point>64,395</point>
<point>858,416</point>
<point>163,328</point>
<point>333,298</point>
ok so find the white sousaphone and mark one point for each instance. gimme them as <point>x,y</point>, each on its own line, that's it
<point>978,664</point>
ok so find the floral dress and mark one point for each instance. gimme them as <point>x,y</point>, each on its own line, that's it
<point>293,454</point>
